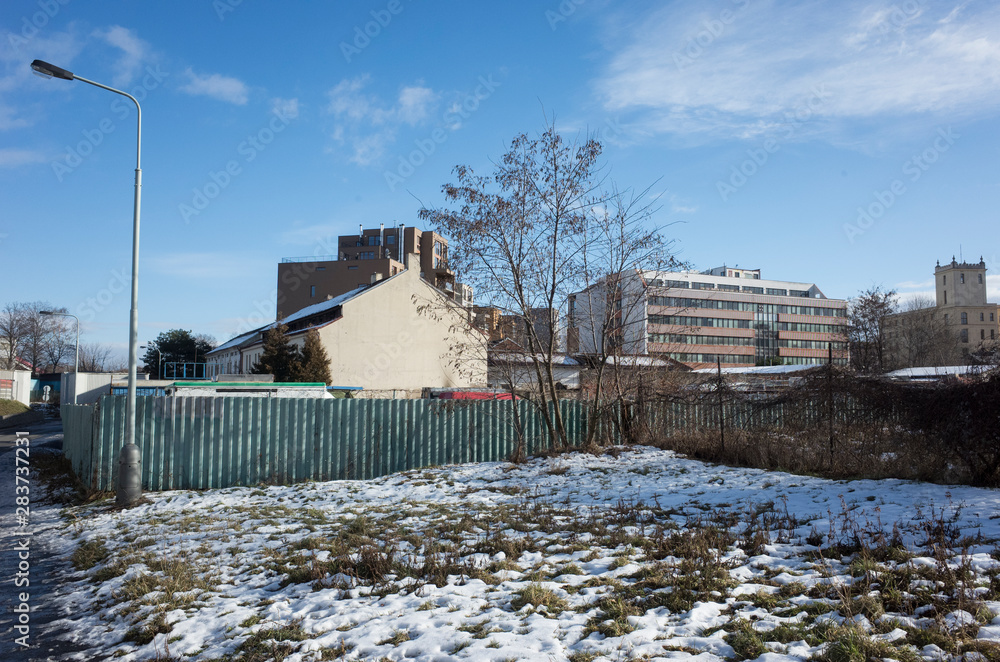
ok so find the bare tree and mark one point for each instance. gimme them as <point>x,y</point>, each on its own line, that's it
<point>97,357</point>
<point>541,226</point>
<point>866,317</point>
<point>40,340</point>
<point>12,335</point>
<point>918,335</point>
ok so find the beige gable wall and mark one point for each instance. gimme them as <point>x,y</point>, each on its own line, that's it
<point>404,334</point>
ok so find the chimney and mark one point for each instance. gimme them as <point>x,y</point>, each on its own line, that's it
<point>401,244</point>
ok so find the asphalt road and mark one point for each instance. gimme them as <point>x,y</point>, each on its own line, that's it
<point>44,569</point>
<point>48,434</point>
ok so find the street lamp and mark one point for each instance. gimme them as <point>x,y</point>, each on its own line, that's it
<point>129,476</point>
<point>159,358</point>
<point>76,363</point>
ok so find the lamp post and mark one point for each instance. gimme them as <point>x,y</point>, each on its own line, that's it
<point>76,363</point>
<point>129,476</point>
<point>159,358</point>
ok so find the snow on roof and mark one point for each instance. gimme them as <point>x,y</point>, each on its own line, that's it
<point>634,361</point>
<point>937,371</point>
<point>515,357</point>
<point>238,340</point>
<point>328,304</point>
<point>314,309</point>
<point>761,369</point>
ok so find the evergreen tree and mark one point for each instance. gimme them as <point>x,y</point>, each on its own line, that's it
<point>280,357</point>
<point>315,364</point>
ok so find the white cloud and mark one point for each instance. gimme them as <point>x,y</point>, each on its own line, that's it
<point>346,99</point>
<point>9,119</point>
<point>686,70</point>
<point>993,288</point>
<point>217,86</point>
<point>285,107</point>
<point>415,104</point>
<point>13,157</point>
<point>134,52</point>
<point>921,285</point>
<point>370,125</point>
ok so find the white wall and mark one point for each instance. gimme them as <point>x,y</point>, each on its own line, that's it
<point>22,384</point>
<point>88,386</point>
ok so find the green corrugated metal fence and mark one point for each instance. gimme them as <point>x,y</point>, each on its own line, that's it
<point>206,442</point>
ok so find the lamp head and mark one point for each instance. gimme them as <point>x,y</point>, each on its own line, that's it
<point>47,70</point>
<point>44,312</point>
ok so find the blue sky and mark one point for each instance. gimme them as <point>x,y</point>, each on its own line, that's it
<point>847,144</point>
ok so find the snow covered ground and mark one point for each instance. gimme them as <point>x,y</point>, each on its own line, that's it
<point>638,554</point>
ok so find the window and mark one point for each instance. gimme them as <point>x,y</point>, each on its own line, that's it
<point>993,334</point>
<point>965,318</point>
<point>991,317</point>
<point>982,334</point>
<point>754,290</point>
<point>353,267</point>
<point>980,279</point>
<point>946,297</point>
<point>703,286</point>
<point>961,278</point>
<point>312,291</point>
<point>946,318</point>
<point>776,292</point>
<point>965,335</point>
<point>320,268</point>
<point>981,317</point>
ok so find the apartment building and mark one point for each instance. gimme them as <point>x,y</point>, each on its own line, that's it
<point>372,254</point>
<point>960,323</point>
<point>727,315</point>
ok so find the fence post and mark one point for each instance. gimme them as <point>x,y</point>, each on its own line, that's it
<point>722,415</point>
<point>829,395</point>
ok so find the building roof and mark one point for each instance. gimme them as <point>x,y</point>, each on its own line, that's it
<point>525,358</point>
<point>762,369</point>
<point>938,371</point>
<point>701,277</point>
<point>308,311</point>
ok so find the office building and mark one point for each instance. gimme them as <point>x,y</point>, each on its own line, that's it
<point>727,315</point>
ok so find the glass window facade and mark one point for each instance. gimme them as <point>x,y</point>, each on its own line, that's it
<point>746,306</point>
